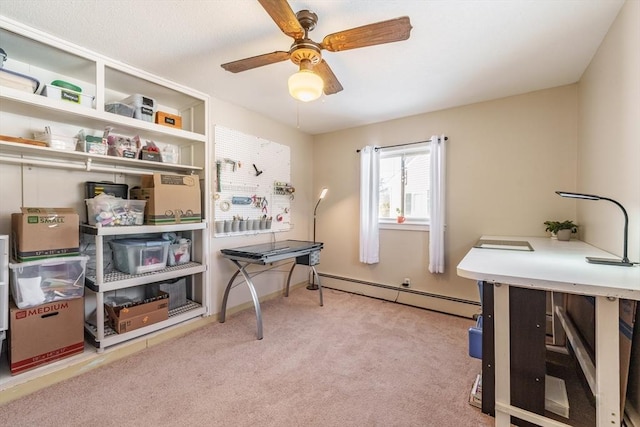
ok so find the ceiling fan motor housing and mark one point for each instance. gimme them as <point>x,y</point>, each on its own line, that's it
<point>307,19</point>
<point>305,51</point>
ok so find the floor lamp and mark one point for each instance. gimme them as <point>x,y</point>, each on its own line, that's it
<point>608,261</point>
<point>312,285</point>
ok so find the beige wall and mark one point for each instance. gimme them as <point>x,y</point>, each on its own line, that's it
<point>609,148</point>
<point>505,159</point>
<point>609,136</point>
<point>221,269</point>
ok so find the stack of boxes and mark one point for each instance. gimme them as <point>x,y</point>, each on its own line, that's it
<point>46,315</point>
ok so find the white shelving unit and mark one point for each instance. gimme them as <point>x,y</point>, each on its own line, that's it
<point>41,176</point>
<point>103,336</point>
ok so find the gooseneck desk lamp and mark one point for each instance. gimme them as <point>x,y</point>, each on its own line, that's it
<point>313,286</point>
<point>608,261</point>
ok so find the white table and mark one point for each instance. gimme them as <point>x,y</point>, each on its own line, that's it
<point>559,267</point>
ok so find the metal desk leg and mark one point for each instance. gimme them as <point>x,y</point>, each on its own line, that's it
<point>223,312</point>
<point>313,267</point>
<point>254,296</point>
<point>286,291</point>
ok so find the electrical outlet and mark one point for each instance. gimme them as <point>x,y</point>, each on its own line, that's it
<point>407,282</point>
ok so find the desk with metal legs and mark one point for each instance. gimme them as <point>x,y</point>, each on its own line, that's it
<point>305,253</point>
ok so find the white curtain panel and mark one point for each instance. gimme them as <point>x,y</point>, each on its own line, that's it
<point>369,183</point>
<point>437,206</point>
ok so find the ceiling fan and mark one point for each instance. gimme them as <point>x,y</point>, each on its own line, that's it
<point>315,75</point>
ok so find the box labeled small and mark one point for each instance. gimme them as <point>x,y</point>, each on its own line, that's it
<point>39,233</point>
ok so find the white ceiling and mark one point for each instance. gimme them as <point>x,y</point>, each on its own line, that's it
<point>459,52</point>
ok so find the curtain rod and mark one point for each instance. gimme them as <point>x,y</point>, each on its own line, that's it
<point>446,138</point>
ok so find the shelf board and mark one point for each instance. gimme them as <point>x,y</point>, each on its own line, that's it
<point>177,315</point>
<point>84,160</point>
<point>118,280</point>
<point>140,229</point>
<point>33,105</point>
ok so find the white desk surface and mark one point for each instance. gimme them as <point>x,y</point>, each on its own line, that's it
<point>553,265</point>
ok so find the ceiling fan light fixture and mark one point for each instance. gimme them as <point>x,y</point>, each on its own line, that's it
<point>305,85</point>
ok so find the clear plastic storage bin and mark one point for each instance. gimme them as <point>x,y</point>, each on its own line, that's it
<point>38,282</point>
<point>113,211</point>
<point>138,256</point>
<point>58,142</point>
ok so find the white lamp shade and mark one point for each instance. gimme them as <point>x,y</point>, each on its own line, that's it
<point>305,85</point>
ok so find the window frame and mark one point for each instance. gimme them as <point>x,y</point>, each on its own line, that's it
<point>408,224</point>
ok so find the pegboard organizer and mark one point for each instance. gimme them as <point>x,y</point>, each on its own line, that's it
<point>283,189</point>
<point>252,180</point>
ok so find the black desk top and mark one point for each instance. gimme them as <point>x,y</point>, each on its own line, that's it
<point>270,252</point>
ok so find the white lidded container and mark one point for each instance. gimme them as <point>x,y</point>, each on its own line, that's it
<point>15,80</point>
<point>67,92</point>
<point>144,107</point>
<point>18,81</point>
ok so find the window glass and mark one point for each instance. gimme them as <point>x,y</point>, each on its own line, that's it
<point>404,184</point>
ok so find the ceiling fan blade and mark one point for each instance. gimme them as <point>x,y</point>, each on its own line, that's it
<point>331,83</point>
<point>256,61</point>
<point>283,16</point>
<point>389,31</point>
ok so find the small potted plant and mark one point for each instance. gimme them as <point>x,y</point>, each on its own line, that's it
<point>562,230</point>
<point>400,216</point>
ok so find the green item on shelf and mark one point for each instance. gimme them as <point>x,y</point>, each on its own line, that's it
<point>66,85</point>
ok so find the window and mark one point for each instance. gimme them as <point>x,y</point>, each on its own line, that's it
<point>404,184</point>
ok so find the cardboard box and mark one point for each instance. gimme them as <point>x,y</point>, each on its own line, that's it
<point>171,199</point>
<point>44,334</point>
<point>167,119</point>
<point>39,233</point>
<point>126,319</point>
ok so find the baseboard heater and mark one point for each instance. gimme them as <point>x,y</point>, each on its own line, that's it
<point>398,289</point>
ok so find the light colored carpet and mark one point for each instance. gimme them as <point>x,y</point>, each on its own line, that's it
<point>357,361</point>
